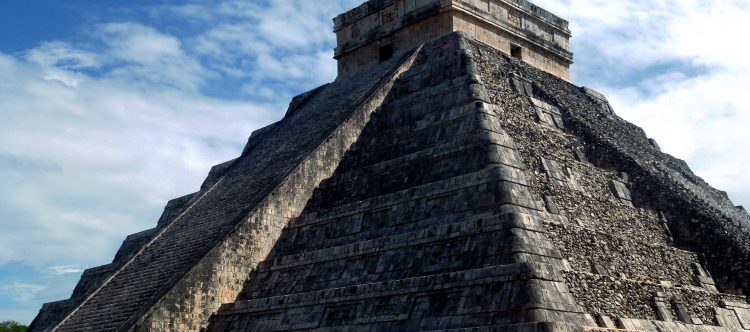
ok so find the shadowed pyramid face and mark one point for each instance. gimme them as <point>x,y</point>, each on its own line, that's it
<point>375,30</point>
<point>447,187</point>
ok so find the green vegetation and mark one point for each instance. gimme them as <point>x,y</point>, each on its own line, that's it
<point>12,326</point>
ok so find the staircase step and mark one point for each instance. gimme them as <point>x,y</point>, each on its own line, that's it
<point>506,156</point>
<point>458,246</point>
<point>432,234</point>
<point>503,273</point>
<point>494,186</point>
<point>371,182</point>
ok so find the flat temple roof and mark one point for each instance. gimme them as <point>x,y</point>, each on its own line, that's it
<point>529,8</point>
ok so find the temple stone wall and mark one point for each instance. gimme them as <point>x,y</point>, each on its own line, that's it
<point>485,32</point>
<point>400,40</point>
<point>537,36</point>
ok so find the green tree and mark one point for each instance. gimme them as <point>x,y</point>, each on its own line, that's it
<point>12,326</point>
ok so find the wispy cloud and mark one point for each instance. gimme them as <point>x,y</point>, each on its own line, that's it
<point>118,152</point>
<point>143,54</point>
<point>65,269</point>
<point>56,54</point>
<point>21,291</point>
<point>19,164</point>
<point>270,46</point>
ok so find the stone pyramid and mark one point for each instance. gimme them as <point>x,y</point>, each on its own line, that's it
<point>439,183</point>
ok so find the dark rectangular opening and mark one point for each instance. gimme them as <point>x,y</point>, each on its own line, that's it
<point>516,52</point>
<point>385,52</point>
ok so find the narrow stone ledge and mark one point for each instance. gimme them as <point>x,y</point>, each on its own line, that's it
<point>504,156</point>
<point>507,176</point>
<point>432,234</point>
<point>502,273</point>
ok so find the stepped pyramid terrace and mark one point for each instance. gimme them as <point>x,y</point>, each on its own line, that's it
<point>451,178</point>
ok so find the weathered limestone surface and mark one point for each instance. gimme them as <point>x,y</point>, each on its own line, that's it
<point>450,188</point>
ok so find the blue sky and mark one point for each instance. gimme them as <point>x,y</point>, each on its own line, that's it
<point>110,108</point>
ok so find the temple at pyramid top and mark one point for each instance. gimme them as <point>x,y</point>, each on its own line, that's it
<point>377,29</point>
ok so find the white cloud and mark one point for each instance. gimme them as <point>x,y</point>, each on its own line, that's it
<point>151,57</point>
<point>62,55</point>
<point>289,42</point>
<point>97,159</point>
<point>65,269</point>
<point>139,44</point>
<point>21,291</point>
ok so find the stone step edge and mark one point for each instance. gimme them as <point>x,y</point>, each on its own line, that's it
<point>427,66</point>
<point>432,234</point>
<point>728,304</point>
<point>633,323</point>
<point>442,151</point>
<point>443,281</point>
<point>422,223</point>
<point>542,214</point>
<point>471,104</point>
<point>455,113</point>
<point>494,173</point>
<point>384,138</point>
<point>536,327</point>
<point>563,133</point>
<point>437,116</point>
<point>442,88</point>
<point>483,134</point>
